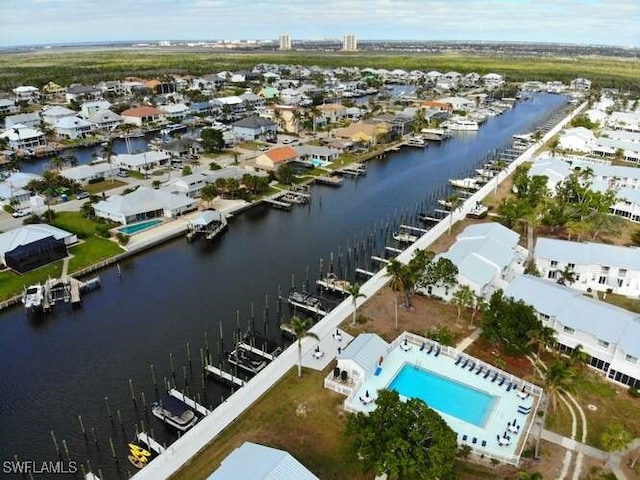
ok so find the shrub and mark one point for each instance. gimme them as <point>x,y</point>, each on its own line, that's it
<point>31,219</point>
<point>440,334</point>
<point>634,392</point>
<point>8,209</point>
<point>96,180</point>
<point>122,238</point>
<point>103,231</point>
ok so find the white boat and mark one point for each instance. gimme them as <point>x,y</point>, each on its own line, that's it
<point>175,413</point>
<point>462,125</point>
<point>465,183</point>
<point>33,298</point>
<point>478,211</point>
<point>417,141</point>
<point>486,173</point>
<point>435,134</point>
<point>404,237</point>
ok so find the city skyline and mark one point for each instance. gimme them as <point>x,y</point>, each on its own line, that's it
<point>595,22</point>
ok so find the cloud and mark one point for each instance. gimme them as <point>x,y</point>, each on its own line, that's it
<point>577,21</point>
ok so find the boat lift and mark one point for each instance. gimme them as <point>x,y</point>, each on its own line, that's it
<point>188,401</point>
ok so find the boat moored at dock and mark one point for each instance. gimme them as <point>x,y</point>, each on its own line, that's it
<point>33,299</point>
<point>175,413</point>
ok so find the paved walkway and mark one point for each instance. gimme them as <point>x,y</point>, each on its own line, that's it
<point>465,342</point>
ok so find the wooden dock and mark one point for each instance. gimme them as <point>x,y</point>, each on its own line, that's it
<point>307,308</point>
<point>224,376</point>
<point>364,272</point>
<point>255,350</point>
<point>394,250</point>
<point>277,204</point>
<point>380,259</point>
<point>151,443</point>
<point>334,284</point>
<point>188,401</point>
<point>332,181</point>
<point>414,229</point>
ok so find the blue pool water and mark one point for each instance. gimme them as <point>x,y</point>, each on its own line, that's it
<point>138,227</point>
<point>447,396</point>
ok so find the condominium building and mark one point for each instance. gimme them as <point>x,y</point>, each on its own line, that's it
<point>349,43</point>
<point>285,42</point>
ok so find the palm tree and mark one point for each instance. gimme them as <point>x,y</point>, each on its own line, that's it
<point>57,163</point>
<point>615,437</point>
<point>208,193</point>
<point>479,304</point>
<point>315,113</point>
<point>559,378</point>
<point>455,202</point>
<point>567,276</point>
<point>463,298</point>
<point>107,153</point>
<point>578,358</point>
<point>396,271</point>
<point>525,475</point>
<point>500,166</point>
<point>301,330</point>
<point>542,337</point>
<point>156,184</point>
<point>355,293</point>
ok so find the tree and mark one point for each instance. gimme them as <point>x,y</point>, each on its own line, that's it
<point>463,298</point>
<point>301,330</point>
<point>454,202</point>
<point>441,273</point>
<point>578,358</point>
<point>525,475</point>
<point>212,140</point>
<point>615,437</point>
<point>395,270</point>
<point>566,276</point>
<point>57,163</point>
<point>402,439</point>
<point>186,170</point>
<point>156,184</point>
<point>542,337</point>
<point>355,293</point>
<point>509,323</point>
<point>208,193</point>
<point>479,304</point>
<point>285,174</point>
<point>500,166</point>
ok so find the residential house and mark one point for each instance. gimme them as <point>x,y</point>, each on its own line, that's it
<point>142,204</point>
<point>629,121</point>
<point>471,79</point>
<point>581,84</point>
<point>87,108</point>
<point>7,107</point>
<point>608,334</point>
<point>276,157</point>
<point>626,149</point>
<point>188,185</point>
<point>596,266</point>
<point>78,93</point>
<point>578,139</point>
<point>175,111</point>
<point>354,113</point>
<point>233,172</point>
<point>51,115</point>
<point>26,119</point>
<point>254,128</point>
<point>287,117</point>
<point>52,91</point>
<point>32,246</point>
<point>22,137</point>
<point>182,147</point>
<point>332,112</point>
<point>160,88</point>
<point>141,162</point>
<point>72,128</point>
<point>555,169</point>
<point>26,93</point>
<point>252,101</point>
<point>105,120</point>
<point>13,188</point>
<point>111,86</point>
<point>250,461</point>
<point>364,132</point>
<point>202,108</point>
<point>269,93</point>
<point>493,80</point>
<point>448,81</point>
<point>437,105</point>
<point>487,256</point>
<point>458,103</point>
<point>141,115</point>
<point>289,96</point>
<point>230,107</point>
<point>317,155</point>
<point>84,174</point>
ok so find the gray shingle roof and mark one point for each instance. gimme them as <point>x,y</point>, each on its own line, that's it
<point>254,122</point>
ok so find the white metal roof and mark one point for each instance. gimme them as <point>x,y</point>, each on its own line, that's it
<point>251,461</point>
<point>588,253</point>
<point>142,200</point>
<point>365,350</point>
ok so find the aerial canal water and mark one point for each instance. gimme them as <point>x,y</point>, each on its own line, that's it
<point>65,365</point>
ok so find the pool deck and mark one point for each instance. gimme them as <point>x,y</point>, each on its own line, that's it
<point>505,405</point>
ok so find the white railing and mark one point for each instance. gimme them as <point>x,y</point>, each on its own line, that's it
<point>339,387</point>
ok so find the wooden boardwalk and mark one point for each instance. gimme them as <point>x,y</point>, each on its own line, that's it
<point>224,376</point>
<point>151,443</point>
<point>188,401</point>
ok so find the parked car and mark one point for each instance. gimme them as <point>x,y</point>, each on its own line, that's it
<point>123,174</point>
<point>22,212</point>
<point>82,195</point>
<point>263,148</point>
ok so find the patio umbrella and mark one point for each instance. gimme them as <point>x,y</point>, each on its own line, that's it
<point>514,422</point>
<point>366,393</point>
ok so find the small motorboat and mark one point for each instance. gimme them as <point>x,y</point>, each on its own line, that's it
<point>175,413</point>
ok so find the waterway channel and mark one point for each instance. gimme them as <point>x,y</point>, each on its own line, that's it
<point>64,366</point>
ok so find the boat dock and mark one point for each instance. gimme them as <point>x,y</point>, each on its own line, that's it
<point>257,351</point>
<point>332,283</point>
<point>150,442</point>
<point>191,403</point>
<point>308,308</point>
<point>332,181</point>
<point>364,272</point>
<point>355,170</point>
<point>67,290</point>
<point>272,202</point>
<point>224,376</point>
<point>380,259</point>
<point>210,224</point>
<point>393,249</point>
<point>413,229</point>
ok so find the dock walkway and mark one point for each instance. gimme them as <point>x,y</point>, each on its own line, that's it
<point>151,443</point>
<point>225,376</point>
<point>190,402</point>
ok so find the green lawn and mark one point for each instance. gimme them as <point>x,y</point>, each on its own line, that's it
<point>94,188</point>
<point>12,284</point>
<point>138,175</point>
<point>632,304</point>
<point>90,251</point>
<point>75,222</point>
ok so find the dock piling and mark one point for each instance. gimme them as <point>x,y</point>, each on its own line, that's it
<point>153,377</point>
<point>95,438</point>
<point>55,442</point>
<point>84,432</point>
<point>189,355</point>
<point>106,401</point>
<point>133,394</point>
<point>173,368</point>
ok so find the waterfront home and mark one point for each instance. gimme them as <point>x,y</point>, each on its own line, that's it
<point>629,121</point>
<point>53,91</point>
<point>72,128</point>
<point>254,128</point>
<point>580,84</point>
<point>493,80</point>
<point>77,93</point>
<point>202,108</point>
<point>105,120</point>
<point>253,101</point>
<point>233,172</point>
<point>437,105</point>
<point>250,461</point>
<point>7,107</point>
<point>284,116</point>
<point>596,266</point>
<point>51,115</point>
<point>458,103</point>
<point>276,157</point>
<point>141,162</point>
<point>332,113</point>
<point>230,107</point>
<point>364,132</point>
<point>487,256</point>
<point>142,204</point>
<point>175,111</point>
<point>32,246</point>
<point>608,334</point>
<point>25,119</point>
<point>84,174</point>
<point>188,185</point>
<point>22,137</point>
<point>289,96</point>
<point>141,115</point>
<point>87,108</point>
<point>313,153</point>
<point>578,139</point>
<point>181,147</point>
<point>26,93</point>
<point>13,188</point>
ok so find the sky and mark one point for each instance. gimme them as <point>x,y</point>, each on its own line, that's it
<point>602,22</point>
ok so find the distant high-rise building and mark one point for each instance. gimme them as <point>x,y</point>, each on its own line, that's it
<point>285,42</point>
<point>349,43</point>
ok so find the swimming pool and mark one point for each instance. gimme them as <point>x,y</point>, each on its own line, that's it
<point>445,395</point>
<point>139,227</point>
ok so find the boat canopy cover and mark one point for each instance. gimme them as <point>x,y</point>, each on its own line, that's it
<point>207,217</point>
<point>174,406</point>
